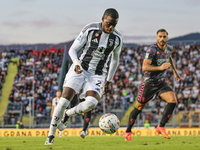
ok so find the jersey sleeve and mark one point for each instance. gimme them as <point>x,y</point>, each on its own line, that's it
<point>150,53</point>
<point>114,61</point>
<point>78,43</point>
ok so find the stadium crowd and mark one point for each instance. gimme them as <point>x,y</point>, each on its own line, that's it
<point>44,67</point>
<point>47,67</point>
<point>4,62</point>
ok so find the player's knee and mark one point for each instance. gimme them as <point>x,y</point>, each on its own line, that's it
<point>63,102</point>
<point>140,106</point>
<point>172,100</point>
<point>92,101</point>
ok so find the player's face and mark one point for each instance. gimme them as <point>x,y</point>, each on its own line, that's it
<point>108,24</point>
<point>58,93</point>
<point>162,38</point>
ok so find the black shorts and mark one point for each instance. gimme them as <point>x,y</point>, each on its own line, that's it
<point>148,90</point>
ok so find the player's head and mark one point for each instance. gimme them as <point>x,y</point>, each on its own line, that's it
<point>162,37</point>
<point>109,20</point>
<point>58,93</point>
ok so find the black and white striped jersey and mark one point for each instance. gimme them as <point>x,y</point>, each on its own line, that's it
<point>97,47</point>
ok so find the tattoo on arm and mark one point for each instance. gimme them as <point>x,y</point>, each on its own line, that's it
<point>152,68</point>
<point>148,67</point>
<point>173,65</point>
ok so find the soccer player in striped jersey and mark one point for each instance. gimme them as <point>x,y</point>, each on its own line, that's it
<point>100,43</point>
<point>157,60</point>
<point>54,104</point>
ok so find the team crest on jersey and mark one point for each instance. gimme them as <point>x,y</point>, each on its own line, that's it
<point>97,34</point>
<point>163,54</point>
<point>111,41</point>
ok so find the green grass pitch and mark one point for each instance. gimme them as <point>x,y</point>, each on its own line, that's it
<point>102,143</point>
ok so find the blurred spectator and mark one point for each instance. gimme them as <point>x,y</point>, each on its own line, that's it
<point>146,124</point>
<point>17,125</point>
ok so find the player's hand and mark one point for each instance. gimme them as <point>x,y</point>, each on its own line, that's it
<point>107,87</point>
<point>165,66</point>
<point>178,78</point>
<point>78,68</point>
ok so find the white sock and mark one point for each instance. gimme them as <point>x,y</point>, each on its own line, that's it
<point>89,103</point>
<point>60,133</point>
<point>58,114</point>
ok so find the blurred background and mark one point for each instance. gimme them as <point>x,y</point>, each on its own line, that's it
<point>35,37</point>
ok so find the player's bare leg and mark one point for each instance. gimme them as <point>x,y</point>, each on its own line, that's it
<point>66,97</point>
<point>170,98</point>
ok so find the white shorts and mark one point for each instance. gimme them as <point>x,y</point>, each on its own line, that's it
<point>85,81</point>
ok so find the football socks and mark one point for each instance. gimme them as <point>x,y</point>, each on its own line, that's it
<point>87,118</point>
<point>167,113</point>
<point>57,115</point>
<point>132,118</point>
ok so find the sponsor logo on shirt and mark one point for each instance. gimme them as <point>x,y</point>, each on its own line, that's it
<point>99,53</point>
<point>161,61</point>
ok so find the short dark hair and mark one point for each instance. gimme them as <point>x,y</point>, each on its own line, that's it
<point>111,12</point>
<point>162,30</point>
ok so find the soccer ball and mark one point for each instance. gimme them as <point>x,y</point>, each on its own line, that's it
<point>109,123</point>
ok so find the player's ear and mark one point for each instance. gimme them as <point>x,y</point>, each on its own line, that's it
<point>102,19</point>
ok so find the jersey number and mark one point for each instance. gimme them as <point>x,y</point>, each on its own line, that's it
<point>98,83</point>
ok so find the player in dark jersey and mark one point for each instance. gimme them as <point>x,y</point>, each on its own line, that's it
<point>157,60</point>
<point>99,43</point>
<point>86,122</point>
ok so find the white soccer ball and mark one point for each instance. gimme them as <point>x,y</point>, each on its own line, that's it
<point>109,123</point>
